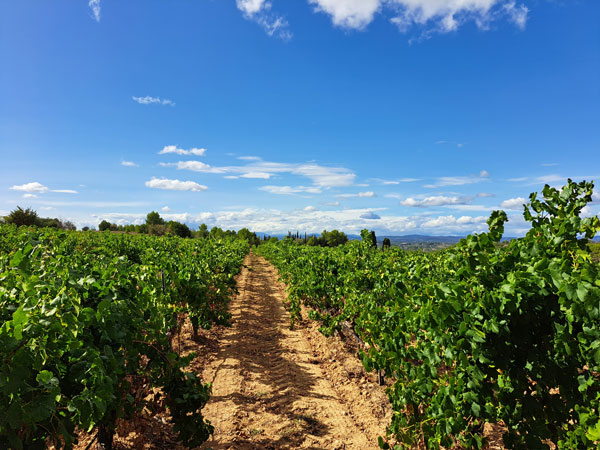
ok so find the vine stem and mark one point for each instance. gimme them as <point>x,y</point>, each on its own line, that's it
<point>161,353</point>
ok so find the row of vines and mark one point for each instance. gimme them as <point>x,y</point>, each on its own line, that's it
<point>89,317</point>
<point>487,331</point>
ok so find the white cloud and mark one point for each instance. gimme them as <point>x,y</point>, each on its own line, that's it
<point>438,200</point>
<point>349,220</point>
<point>553,179</point>
<point>548,179</point>
<point>394,195</point>
<point>310,209</point>
<point>355,14</point>
<point>147,100</point>
<point>587,211</point>
<point>449,221</point>
<point>258,175</point>
<point>459,181</point>
<point>370,216</point>
<point>458,144</point>
<point>289,190</point>
<point>448,15</point>
<point>175,185</point>
<point>470,208</point>
<point>463,220</point>
<point>165,209</point>
<point>321,176</point>
<point>260,12</point>
<point>167,149</point>
<point>39,188</point>
<point>485,195</point>
<point>367,194</point>
<point>429,15</point>
<point>251,6</point>
<point>128,164</point>
<point>196,166</point>
<point>394,182</point>
<point>517,14</point>
<point>30,196</point>
<point>513,203</point>
<point>249,158</point>
<point>31,187</point>
<point>95,6</point>
<point>104,204</point>
<point>326,176</point>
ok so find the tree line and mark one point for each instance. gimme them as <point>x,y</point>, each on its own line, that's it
<point>155,225</point>
<point>29,217</point>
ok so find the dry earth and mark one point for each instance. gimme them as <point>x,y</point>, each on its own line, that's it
<point>276,388</point>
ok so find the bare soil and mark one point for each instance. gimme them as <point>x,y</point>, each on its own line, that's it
<point>276,388</point>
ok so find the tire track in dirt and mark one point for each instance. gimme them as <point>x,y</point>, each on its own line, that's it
<point>269,391</point>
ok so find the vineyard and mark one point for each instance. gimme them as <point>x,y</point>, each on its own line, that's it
<point>483,332</point>
<point>87,321</point>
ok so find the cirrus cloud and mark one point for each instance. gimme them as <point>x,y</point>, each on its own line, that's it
<point>95,7</point>
<point>321,176</point>
<point>260,12</point>
<point>148,100</point>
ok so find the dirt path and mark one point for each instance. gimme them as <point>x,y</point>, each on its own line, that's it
<point>276,388</point>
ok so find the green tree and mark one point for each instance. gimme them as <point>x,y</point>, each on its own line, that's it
<point>386,243</point>
<point>22,216</point>
<point>157,229</point>
<point>179,229</point>
<point>251,237</point>
<point>216,233</point>
<point>153,218</point>
<point>202,231</point>
<point>332,238</point>
<point>104,225</point>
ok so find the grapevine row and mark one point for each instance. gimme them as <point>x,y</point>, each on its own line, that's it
<point>487,331</point>
<point>87,320</point>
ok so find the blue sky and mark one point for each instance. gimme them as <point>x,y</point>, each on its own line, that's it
<point>402,116</point>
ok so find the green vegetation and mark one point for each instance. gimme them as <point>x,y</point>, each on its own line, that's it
<point>331,238</point>
<point>595,251</point>
<point>87,321</point>
<point>28,217</point>
<point>477,333</point>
